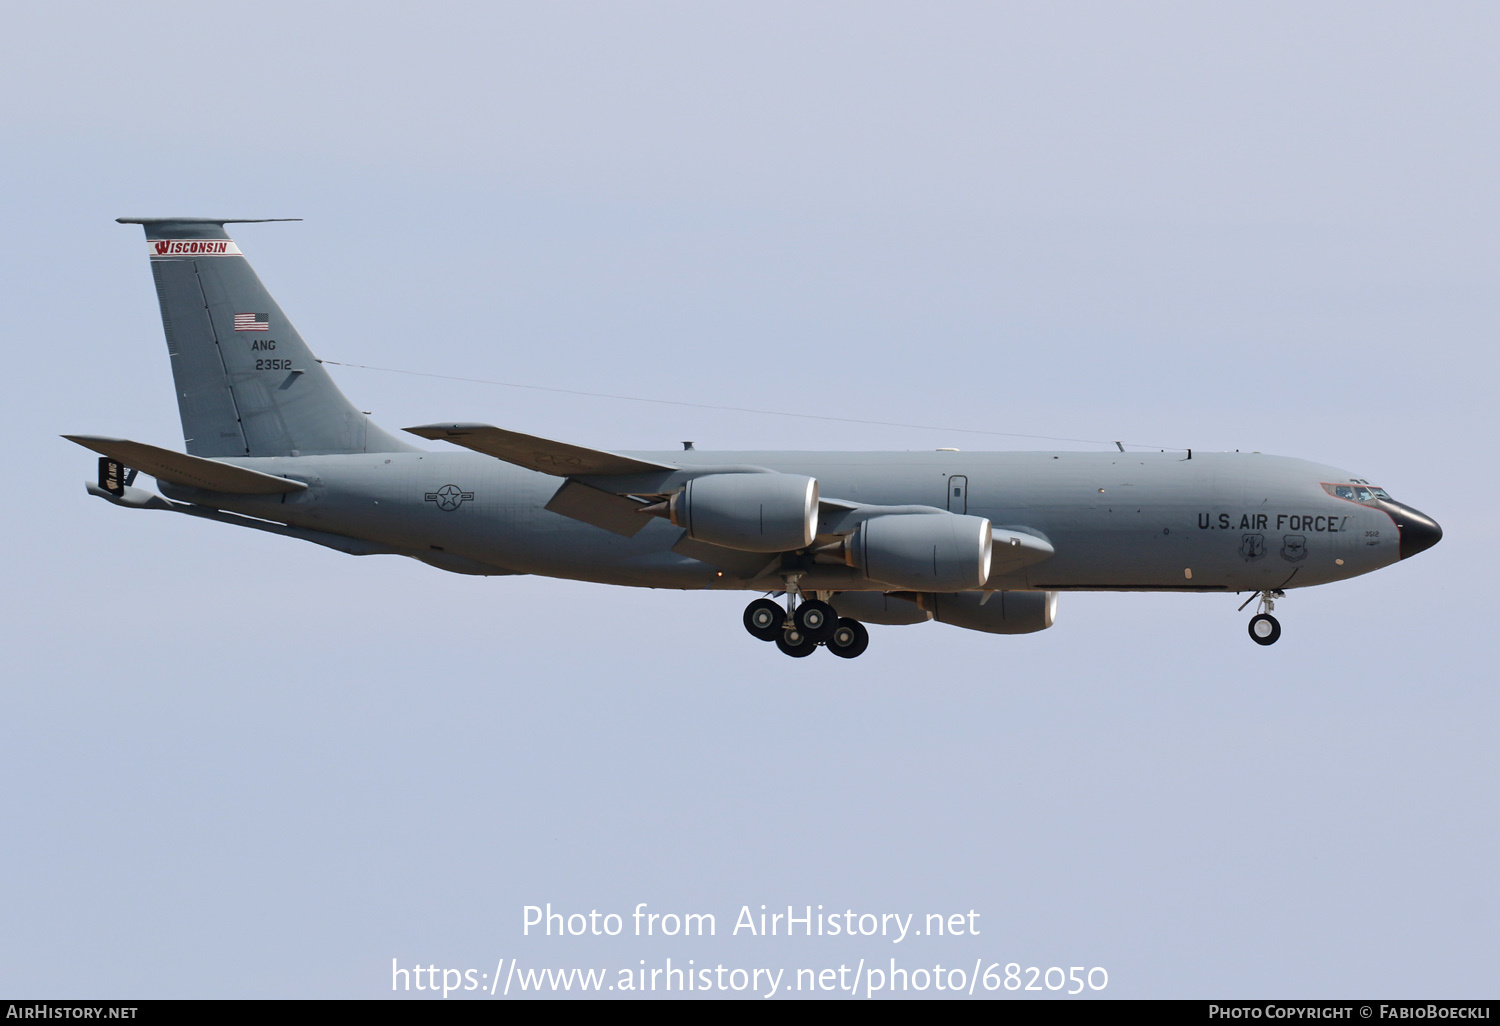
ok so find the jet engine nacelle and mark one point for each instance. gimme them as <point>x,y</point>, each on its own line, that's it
<point>922,551</point>
<point>1005,612</point>
<point>878,607</point>
<point>751,512</point>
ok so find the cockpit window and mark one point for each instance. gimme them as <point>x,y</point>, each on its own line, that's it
<point>1364,494</point>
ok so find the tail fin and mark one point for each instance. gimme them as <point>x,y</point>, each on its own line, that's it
<point>247,385</point>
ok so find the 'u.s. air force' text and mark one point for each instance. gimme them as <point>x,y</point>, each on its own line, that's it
<point>1317,523</point>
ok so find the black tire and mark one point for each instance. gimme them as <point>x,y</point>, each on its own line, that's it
<point>795,644</point>
<point>1269,629</point>
<point>764,619</point>
<point>849,639</point>
<point>818,620</point>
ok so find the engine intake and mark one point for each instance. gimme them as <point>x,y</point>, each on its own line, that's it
<point>750,512</point>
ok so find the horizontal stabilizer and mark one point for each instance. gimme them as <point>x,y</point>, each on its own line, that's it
<point>130,498</point>
<point>557,458</point>
<point>189,471</point>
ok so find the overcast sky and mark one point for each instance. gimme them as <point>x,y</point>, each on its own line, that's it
<point>237,765</point>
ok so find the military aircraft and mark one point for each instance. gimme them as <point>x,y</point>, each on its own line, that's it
<point>979,540</point>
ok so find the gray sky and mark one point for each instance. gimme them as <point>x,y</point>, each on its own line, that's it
<point>237,766</point>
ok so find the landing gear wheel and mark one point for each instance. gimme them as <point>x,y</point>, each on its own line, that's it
<point>818,620</point>
<point>849,638</point>
<point>1264,629</point>
<point>764,619</point>
<point>795,644</point>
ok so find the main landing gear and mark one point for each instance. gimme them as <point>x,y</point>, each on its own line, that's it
<point>1265,629</point>
<point>804,625</point>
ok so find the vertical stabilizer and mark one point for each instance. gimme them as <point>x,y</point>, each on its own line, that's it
<point>247,385</point>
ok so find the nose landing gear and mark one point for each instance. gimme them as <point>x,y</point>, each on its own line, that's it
<point>1265,629</point>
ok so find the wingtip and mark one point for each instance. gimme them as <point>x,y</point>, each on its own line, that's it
<point>442,430</point>
<point>203,220</point>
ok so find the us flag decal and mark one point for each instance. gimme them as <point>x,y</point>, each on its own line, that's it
<point>252,322</point>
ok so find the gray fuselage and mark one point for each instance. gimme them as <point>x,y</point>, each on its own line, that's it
<point>1117,521</point>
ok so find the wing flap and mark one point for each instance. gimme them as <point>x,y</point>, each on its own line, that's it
<point>559,459</point>
<point>189,471</point>
<point>598,507</point>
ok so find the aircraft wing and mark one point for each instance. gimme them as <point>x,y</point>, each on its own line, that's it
<point>559,459</point>
<point>189,471</point>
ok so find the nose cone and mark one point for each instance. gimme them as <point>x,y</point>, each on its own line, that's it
<point>1419,532</point>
